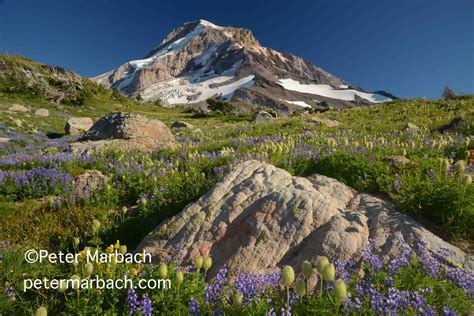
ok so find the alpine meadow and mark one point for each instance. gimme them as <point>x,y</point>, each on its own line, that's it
<point>216,176</point>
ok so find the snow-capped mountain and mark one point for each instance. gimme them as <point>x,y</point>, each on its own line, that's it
<point>200,60</point>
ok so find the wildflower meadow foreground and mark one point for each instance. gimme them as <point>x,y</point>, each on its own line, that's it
<point>46,204</point>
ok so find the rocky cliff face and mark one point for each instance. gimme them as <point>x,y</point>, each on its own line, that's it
<point>200,60</point>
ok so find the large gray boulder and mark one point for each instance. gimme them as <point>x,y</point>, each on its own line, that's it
<point>259,217</point>
<point>123,125</point>
<point>78,125</point>
<point>128,131</point>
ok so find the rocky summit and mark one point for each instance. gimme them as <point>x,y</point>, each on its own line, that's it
<point>200,60</point>
<point>260,217</point>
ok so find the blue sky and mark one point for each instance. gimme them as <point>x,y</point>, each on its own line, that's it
<point>411,48</point>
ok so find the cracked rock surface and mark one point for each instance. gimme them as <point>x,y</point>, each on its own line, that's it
<point>260,217</point>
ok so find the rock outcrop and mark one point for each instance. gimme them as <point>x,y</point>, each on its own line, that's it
<point>259,217</point>
<point>127,131</point>
<point>78,125</point>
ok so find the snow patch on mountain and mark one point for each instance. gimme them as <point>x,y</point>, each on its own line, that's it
<point>209,24</point>
<point>170,49</point>
<point>299,103</point>
<point>180,91</point>
<point>328,91</point>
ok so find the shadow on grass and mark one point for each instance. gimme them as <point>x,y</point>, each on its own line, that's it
<point>134,228</point>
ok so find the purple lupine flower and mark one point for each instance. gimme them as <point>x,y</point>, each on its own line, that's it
<point>285,311</point>
<point>271,312</point>
<point>389,281</point>
<point>447,311</point>
<point>429,310</point>
<point>429,263</point>
<point>417,301</point>
<point>353,305</point>
<point>372,259</point>
<point>39,182</point>
<point>9,294</point>
<point>193,307</point>
<point>293,298</point>
<point>345,269</point>
<point>213,291</point>
<point>462,278</point>
<point>147,308</point>
<point>132,301</point>
<point>402,260</point>
<point>252,285</point>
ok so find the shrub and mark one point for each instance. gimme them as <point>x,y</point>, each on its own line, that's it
<point>117,94</point>
<point>216,105</point>
<point>448,94</point>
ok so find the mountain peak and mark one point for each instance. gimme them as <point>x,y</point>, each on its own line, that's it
<point>209,24</point>
<point>199,60</point>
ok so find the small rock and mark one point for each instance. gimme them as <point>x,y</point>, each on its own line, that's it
<point>50,199</point>
<point>411,128</point>
<point>89,182</point>
<point>181,124</point>
<point>42,112</point>
<point>397,160</point>
<point>262,116</point>
<point>18,108</point>
<point>4,140</point>
<point>78,125</point>
<point>197,131</point>
<point>324,121</point>
<point>18,122</point>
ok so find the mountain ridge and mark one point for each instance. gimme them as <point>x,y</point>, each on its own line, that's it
<point>199,60</point>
